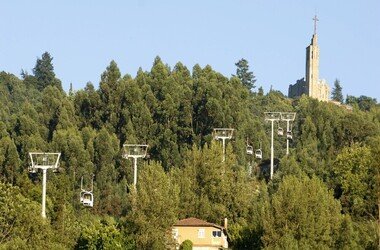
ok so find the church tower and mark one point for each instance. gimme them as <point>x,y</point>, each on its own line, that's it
<point>311,85</point>
<point>312,64</point>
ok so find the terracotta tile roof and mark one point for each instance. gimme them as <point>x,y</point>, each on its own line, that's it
<point>194,222</point>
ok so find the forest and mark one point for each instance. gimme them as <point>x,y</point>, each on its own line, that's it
<point>324,195</point>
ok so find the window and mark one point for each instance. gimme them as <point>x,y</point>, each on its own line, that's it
<point>175,233</point>
<point>216,233</point>
<point>201,233</point>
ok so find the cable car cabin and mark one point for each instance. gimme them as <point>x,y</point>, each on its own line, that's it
<point>289,135</point>
<point>87,199</point>
<point>259,154</point>
<point>280,131</point>
<point>249,150</point>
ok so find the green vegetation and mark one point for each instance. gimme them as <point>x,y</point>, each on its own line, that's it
<point>242,72</point>
<point>336,94</point>
<point>325,194</point>
<point>186,245</point>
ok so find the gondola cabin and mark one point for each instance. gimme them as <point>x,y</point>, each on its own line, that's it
<point>259,154</point>
<point>289,135</point>
<point>280,131</point>
<point>87,199</point>
<point>249,150</point>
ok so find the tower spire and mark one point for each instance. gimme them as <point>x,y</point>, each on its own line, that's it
<point>315,24</point>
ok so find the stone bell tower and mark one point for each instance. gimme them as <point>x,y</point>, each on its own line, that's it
<point>312,65</point>
<point>311,85</point>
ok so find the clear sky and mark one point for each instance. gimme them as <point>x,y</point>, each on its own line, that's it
<point>83,36</point>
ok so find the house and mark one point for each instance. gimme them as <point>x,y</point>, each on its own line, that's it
<point>203,235</point>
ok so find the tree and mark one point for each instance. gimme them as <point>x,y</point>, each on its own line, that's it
<point>109,95</point>
<point>101,235</point>
<point>74,157</point>
<point>212,190</point>
<point>303,215</point>
<point>154,208</point>
<point>357,126</point>
<point>174,111</point>
<point>186,245</point>
<point>21,225</point>
<point>88,104</point>
<point>106,149</point>
<point>354,173</point>
<point>9,160</point>
<point>337,92</point>
<point>51,109</point>
<point>348,237</point>
<point>44,72</point>
<point>364,103</point>
<point>252,234</point>
<point>246,77</point>
<point>307,148</point>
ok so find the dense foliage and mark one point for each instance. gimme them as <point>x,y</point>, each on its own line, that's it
<point>325,194</point>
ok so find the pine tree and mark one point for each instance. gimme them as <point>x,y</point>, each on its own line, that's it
<point>246,77</point>
<point>88,104</point>
<point>44,72</point>
<point>337,91</point>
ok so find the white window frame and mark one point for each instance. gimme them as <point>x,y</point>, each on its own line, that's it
<point>201,233</point>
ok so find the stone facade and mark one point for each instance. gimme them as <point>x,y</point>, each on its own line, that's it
<point>311,85</point>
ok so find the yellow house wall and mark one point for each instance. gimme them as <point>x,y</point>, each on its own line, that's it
<point>191,233</point>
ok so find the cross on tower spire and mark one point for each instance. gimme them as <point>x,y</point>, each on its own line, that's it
<point>315,24</point>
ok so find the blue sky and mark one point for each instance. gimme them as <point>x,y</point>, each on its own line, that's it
<point>84,36</point>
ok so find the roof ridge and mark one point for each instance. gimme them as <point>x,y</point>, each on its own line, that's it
<point>193,221</point>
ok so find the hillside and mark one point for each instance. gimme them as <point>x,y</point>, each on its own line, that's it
<point>324,194</point>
